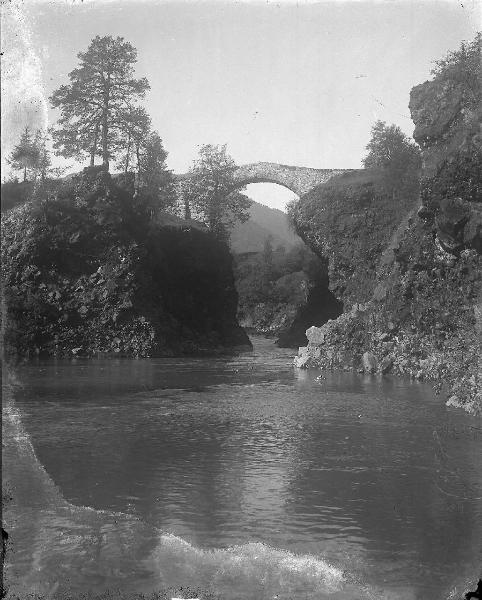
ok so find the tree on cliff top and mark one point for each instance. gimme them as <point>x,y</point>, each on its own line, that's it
<point>135,126</point>
<point>210,191</point>
<point>100,89</point>
<point>392,151</point>
<point>155,183</point>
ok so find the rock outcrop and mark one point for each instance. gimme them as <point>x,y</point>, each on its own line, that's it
<point>86,270</point>
<point>350,221</point>
<point>421,302</point>
<point>447,113</point>
<point>320,307</point>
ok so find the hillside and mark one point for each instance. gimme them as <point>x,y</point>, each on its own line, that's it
<point>264,222</point>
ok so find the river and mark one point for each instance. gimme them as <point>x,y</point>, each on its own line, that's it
<point>237,478</point>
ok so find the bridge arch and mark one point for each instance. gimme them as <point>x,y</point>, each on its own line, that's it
<point>299,180</point>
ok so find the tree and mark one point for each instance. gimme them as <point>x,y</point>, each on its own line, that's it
<point>210,190</point>
<point>101,89</point>
<point>43,163</point>
<point>154,179</point>
<point>392,151</point>
<point>135,127</point>
<point>463,66</point>
<point>268,254</point>
<point>75,137</point>
<point>25,155</point>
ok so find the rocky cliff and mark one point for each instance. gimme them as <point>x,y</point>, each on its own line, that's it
<point>87,270</point>
<point>410,275</point>
<point>350,221</point>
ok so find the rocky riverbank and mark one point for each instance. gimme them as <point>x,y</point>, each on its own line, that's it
<point>409,273</point>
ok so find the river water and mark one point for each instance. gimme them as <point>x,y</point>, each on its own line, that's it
<point>237,478</point>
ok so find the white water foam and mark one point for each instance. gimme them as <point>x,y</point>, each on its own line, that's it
<point>259,553</point>
<point>257,571</point>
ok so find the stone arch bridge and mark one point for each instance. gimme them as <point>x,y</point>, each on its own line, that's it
<point>299,180</point>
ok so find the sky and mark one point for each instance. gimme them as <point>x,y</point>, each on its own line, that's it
<point>293,83</point>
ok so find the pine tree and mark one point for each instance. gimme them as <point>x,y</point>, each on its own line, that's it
<point>135,127</point>
<point>100,91</point>
<point>25,155</point>
<point>43,163</point>
<point>155,181</point>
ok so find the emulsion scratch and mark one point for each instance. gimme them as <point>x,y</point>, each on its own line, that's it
<point>23,94</point>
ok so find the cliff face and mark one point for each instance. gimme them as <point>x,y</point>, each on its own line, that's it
<point>350,221</point>
<point>413,289</point>
<point>447,113</point>
<point>86,270</point>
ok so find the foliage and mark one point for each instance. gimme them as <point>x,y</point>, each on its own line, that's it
<point>31,155</point>
<point>154,179</point>
<point>282,293</point>
<point>210,192</point>
<point>135,126</point>
<point>43,163</point>
<point>399,158</point>
<point>463,66</point>
<point>15,193</point>
<point>276,276</point>
<point>26,155</point>
<point>97,97</point>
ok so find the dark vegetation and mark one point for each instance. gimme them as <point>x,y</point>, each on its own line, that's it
<point>15,193</point>
<point>86,270</point>
<point>282,292</point>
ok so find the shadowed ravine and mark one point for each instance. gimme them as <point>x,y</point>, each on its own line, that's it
<point>236,479</point>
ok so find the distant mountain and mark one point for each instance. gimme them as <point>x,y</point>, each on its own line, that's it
<point>263,222</point>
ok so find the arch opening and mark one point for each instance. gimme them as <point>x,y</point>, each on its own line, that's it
<point>282,285</point>
<point>273,195</point>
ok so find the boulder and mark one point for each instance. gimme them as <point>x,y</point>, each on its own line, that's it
<point>425,213</point>
<point>453,215</point>
<point>369,362</point>
<point>307,357</point>
<point>386,364</point>
<point>435,107</point>
<point>315,335</point>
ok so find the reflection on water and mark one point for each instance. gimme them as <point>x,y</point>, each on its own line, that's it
<point>241,478</point>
